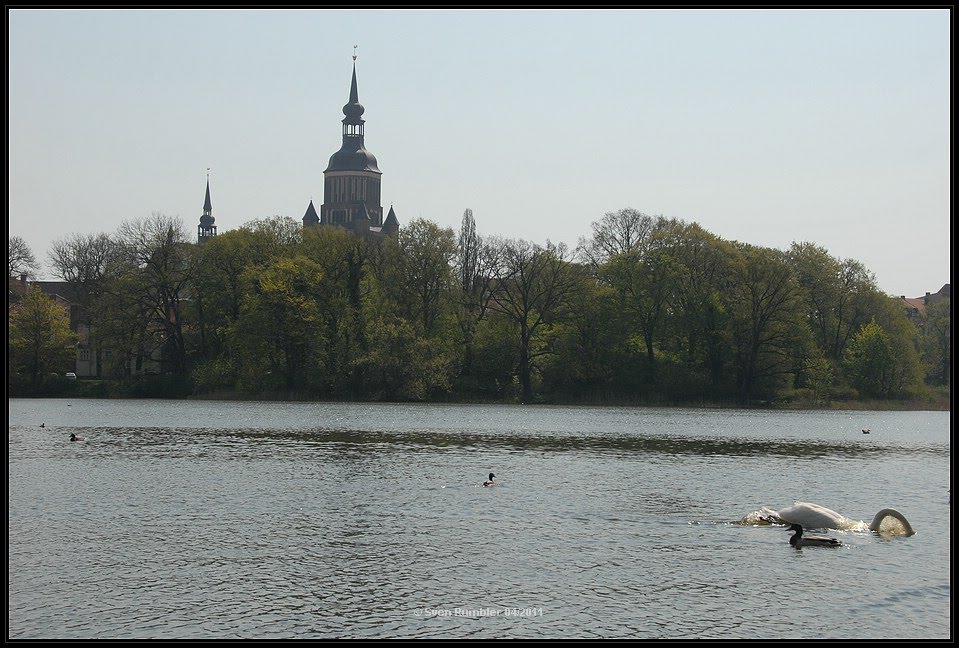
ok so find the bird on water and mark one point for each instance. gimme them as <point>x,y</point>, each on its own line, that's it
<point>798,540</point>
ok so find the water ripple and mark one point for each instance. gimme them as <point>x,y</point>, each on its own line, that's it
<point>183,532</point>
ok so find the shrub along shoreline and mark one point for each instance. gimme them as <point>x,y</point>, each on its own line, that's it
<point>176,388</point>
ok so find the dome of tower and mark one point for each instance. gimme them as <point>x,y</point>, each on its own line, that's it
<point>353,160</point>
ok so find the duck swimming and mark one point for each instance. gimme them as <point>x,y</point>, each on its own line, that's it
<point>799,541</point>
<point>490,482</point>
<point>74,437</point>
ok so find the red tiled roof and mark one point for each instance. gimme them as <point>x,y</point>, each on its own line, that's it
<point>918,303</point>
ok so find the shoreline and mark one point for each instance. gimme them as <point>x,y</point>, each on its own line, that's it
<point>937,405</point>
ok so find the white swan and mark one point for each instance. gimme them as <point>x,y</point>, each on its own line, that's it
<point>815,516</point>
<point>799,540</point>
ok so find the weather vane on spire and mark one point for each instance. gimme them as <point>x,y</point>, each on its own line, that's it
<point>208,173</point>
<point>354,52</point>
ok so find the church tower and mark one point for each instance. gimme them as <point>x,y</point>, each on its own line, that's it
<point>206,229</point>
<point>351,182</point>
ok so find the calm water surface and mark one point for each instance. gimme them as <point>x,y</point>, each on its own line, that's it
<point>181,519</point>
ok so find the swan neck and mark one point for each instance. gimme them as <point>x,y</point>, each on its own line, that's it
<point>876,521</point>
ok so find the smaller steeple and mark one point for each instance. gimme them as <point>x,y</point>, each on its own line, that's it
<point>206,229</point>
<point>310,217</point>
<point>391,225</point>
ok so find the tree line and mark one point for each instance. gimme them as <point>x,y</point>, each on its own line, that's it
<point>646,310</point>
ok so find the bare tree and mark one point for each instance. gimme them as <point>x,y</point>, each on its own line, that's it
<point>82,260</point>
<point>533,291</point>
<point>20,259</point>
<point>155,252</point>
<point>617,233</point>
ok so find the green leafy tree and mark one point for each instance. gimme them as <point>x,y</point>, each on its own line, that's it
<point>838,295</point>
<point>818,373</point>
<point>424,273</point>
<point>870,362</point>
<point>937,343</point>
<point>881,361</point>
<point>643,278</point>
<point>215,281</point>
<point>857,296</point>
<point>346,260</point>
<point>818,275</point>
<point>589,350</point>
<point>278,332</point>
<point>40,340</point>
<point>283,232</point>
<point>494,367</point>
<point>477,263</point>
<point>696,329</point>
<point>401,364</point>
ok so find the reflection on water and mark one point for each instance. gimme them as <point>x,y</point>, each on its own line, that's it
<point>373,523</point>
<point>187,440</point>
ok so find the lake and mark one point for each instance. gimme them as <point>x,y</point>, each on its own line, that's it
<point>213,519</point>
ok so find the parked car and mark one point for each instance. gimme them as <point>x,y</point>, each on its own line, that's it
<point>70,375</point>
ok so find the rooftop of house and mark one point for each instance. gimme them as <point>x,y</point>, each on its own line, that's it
<point>920,303</point>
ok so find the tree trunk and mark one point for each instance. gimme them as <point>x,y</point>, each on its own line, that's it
<point>525,379</point>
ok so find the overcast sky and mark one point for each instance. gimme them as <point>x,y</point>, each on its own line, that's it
<point>764,126</point>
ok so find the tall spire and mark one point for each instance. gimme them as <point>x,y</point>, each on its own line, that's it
<point>207,205</point>
<point>353,155</point>
<point>354,109</point>
<point>354,95</point>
